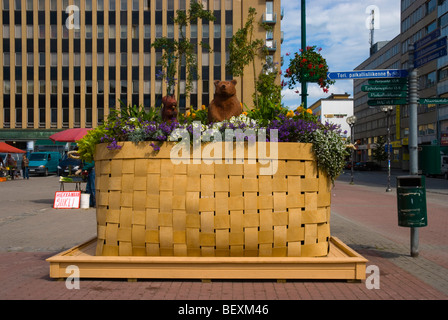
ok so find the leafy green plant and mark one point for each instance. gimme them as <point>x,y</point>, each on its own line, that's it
<point>266,111</point>
<point>182,50</point>
<point>243,49</point>
<point>87,145</point>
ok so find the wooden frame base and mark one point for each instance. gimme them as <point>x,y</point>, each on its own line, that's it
<point>341,263</point>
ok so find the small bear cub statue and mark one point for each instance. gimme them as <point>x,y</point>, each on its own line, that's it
<point>225,104</point>
<point>169,109</point>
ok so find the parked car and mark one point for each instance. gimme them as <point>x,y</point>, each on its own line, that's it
<point>44,162</point>
<point>367,166</point>
<point>69,166</point>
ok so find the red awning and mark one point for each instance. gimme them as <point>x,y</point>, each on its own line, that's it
<point>6,148</point>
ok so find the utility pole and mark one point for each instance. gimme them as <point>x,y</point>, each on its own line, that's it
<point>413,136</point>
<point>303,38</point>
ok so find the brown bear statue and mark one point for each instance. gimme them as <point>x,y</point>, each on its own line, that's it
<point>225,104</point>
<point>169,109</point>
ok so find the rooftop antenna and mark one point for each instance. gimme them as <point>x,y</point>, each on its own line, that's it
<point>372,28</point>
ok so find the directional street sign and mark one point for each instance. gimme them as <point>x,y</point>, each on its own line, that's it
<point>433,101</point>
<point>367,74</point>
<point>389,81</point>
<point>386,102</point>
<point>385,95</point>
<point>384,88</point>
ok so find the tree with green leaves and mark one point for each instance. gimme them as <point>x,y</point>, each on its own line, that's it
<point>243,49</point>
<point>379,152</point>
<point>182,50</point>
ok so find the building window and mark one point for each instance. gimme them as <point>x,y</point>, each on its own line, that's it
<point>6,87</point>
<point>18,59</point>
<point>54,87</point>
<point>146,59</point>
<point>182,5</point>
<point>147,87</point>
<point>112,5</point>
<point>228,5</point>
<point>77,59</point>
<point>5,30</point>
<point>42,86</point>
<point>123,32</point>
<point>54,5</point>
<point>100,59</point>
<point>124,86</point>
<point>112,32</point>
<point>17,5</point>
<point>134,5</point>
<point>159,5</point>
<point>6,59</point>
<point>40,5</point>
<point>135,59</point>
<point>29,32</point>
<point>124,59</point>
<point>135,32</point>
<point>112,59</point>
<point>30,59</point>
<point>431,27</point>
<point>88,57</point>
<point>124,5</point>
<point>100,32</point>
<point>229,31</point>
<point>88,32</point>
<point>18,32</point>
<point>147,32</point>
<point>135,85</point>
<point>100,5</point>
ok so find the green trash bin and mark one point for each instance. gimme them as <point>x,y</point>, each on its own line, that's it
<point>411,201</point>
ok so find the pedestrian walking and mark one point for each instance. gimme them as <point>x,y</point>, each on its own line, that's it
<point>25,164</point>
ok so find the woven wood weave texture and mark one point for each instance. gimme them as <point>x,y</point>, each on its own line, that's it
<point>148,206</point>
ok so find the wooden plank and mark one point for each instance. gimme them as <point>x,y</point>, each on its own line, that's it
<point>334,266</point>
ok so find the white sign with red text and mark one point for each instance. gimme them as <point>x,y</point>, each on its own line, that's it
<point>67,200</point>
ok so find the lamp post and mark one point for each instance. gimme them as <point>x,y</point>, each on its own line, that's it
<point>351,122</point>
<point>387,110</point>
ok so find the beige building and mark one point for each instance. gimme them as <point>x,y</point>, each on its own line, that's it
<point>66,63</point>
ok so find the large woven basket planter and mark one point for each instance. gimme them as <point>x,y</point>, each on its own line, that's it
<point>149,206</point>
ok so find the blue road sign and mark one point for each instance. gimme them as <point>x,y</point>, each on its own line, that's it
<point>432,56</point>
<point>427,39</point>
<point>367,74</point>
<point>430,48</point>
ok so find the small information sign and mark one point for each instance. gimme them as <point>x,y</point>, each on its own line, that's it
<point>67,200</point>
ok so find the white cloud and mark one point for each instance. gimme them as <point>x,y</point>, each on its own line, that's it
<point>339,27</point>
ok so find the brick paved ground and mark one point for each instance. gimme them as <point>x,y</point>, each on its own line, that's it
<point>362,217</point>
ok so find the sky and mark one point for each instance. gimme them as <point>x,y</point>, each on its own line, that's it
<point>340,28</point>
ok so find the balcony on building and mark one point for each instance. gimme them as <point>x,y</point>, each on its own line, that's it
<point>269,18</point>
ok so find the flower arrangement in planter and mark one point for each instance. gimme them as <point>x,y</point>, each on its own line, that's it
<point>298,125</point>
<point>151,204</point>
<point>309,66</point>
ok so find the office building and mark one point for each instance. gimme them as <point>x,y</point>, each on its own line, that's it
<point>67,63</point>
<point>418,19</point>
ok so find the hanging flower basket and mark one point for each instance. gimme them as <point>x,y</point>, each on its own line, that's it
<point>309,66</point>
